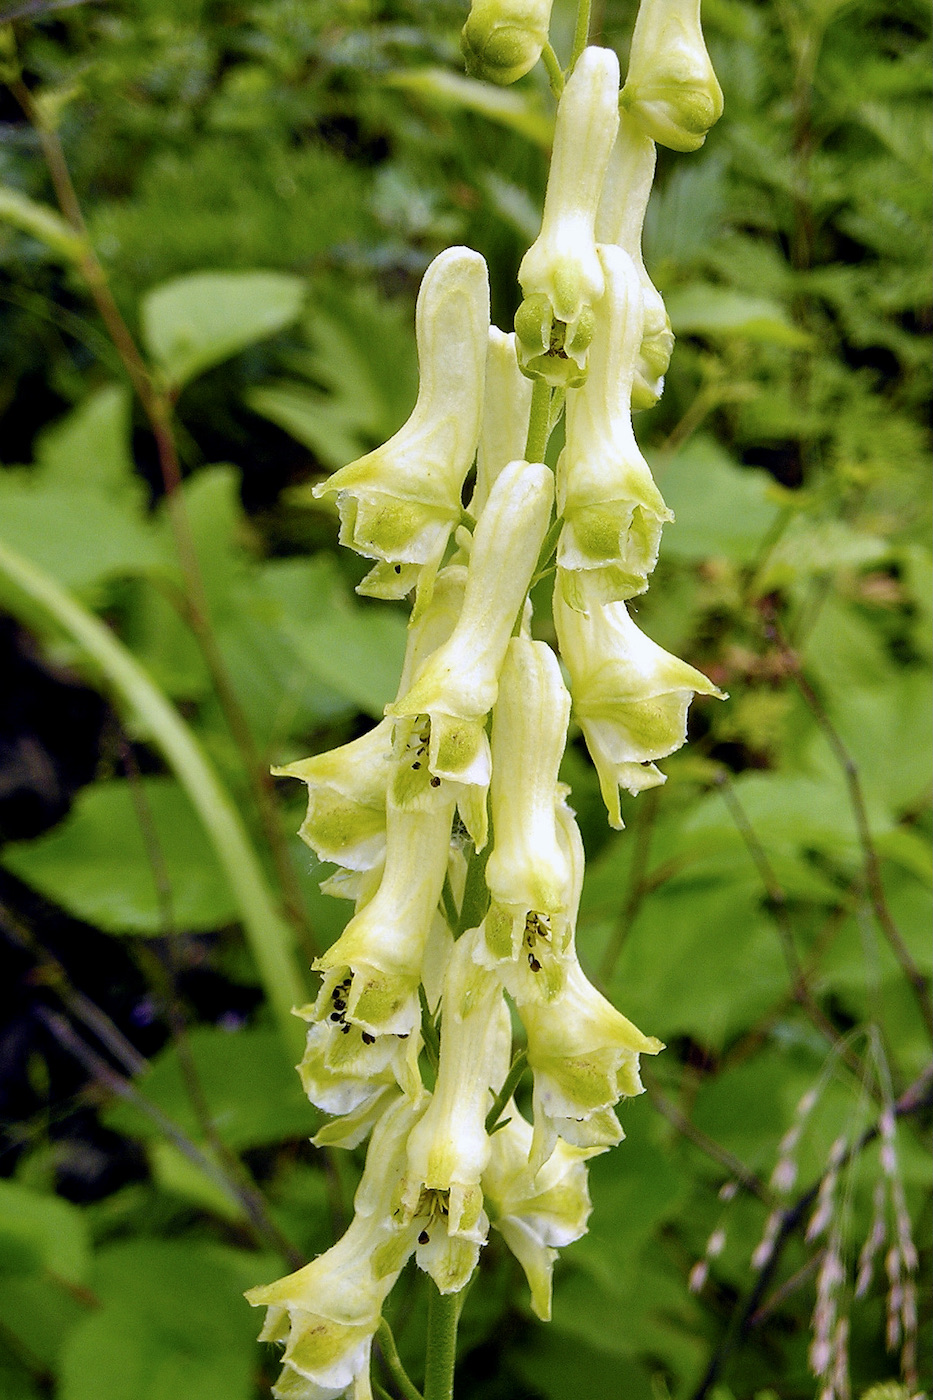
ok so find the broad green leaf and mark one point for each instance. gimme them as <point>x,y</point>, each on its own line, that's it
<point>173,1326</point>
<point>79,534</point>
<point>41,222</point>
<point>254,1098</point>
<point>91,447</point>
<point>669,978</point>
<point>719,508</point>
<point>354,648</point>
<point>312,419</point>
<point>707,309</point>
<point>53,1230</point>
<point>98,864</point>
<point>177,1174</point>
<point>198,321</point>
<point>518,109</point>
<point>809,547</point>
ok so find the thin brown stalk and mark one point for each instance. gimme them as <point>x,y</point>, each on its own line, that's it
<point>707,1145</point>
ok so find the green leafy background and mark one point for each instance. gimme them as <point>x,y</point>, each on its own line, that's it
<point>264,184</point>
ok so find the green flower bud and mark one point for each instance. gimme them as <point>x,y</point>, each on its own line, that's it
<point>562,264</point>
<point>671,89</point>
<point>620,221</point>
<point>630,696</point>
<point>502,39</point>
<point>613,512</point>
<point>400,503</point>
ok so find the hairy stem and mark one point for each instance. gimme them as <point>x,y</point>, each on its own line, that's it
<point>393,1362</point>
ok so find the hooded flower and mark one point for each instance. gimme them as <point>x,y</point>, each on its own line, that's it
<point>630,696</point>
<point>561,275</point>
<point>457,686</point>
<point>502,39</point>
<point>449,1146</point>
<point>400,503</point>
<point>532,949</point>
<point>379,954</point>
<point>613,512</point>
<point>327,1312</point>
<point>506,406</point>
<point>584,1055</point>
<point>671,89</point>
<point>346,817</point>
<point>536,1214</point>
<point>620,221</point>
<point>528,873</point>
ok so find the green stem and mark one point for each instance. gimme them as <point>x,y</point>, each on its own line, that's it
<point>581,33</point>
<point>268,936</point>
<point>394,1362</point>
<point>539,422</point>
<point>441,1354</point>
<point>554,71</point>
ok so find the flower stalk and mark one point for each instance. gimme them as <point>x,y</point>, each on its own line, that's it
<point>447,823</point>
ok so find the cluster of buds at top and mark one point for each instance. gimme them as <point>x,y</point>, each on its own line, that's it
<point>448,826</point>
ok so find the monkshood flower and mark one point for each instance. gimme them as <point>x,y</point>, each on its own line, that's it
<point>327,1312</point>
<point>346,817</point>
<point>531,951</point>
<point>584,1056</point>
<point>457,686</point>
<point>449,1146</point>
<point>536,1214</point>
<point>502,39</point>
<point>379,955</point>
<point>671,89</point>
<point>399,503</point>
<point>620,220</point>
<point>630,696</point>
<point>613,512</point>
<point>561,275</point>
<point>506,405</point>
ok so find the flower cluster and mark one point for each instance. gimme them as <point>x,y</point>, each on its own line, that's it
<point>448,825</point>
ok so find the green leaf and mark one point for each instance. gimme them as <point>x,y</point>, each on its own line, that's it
<point>52,1231</point>
<point>198,321</point>
<point>79,534</point>
<point>173,1326</point>
<point>253,1097</point>
<point>719,508</point>
<point>91,447</point>
<point>516,109</point>
<point>41,222</point>
<point>98,866</point>
<point>702,308</point>
<point>312,419</point>
<point>811,547</point>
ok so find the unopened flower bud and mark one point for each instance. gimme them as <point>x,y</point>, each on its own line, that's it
<point>620,221</point>
<point>562,264</point>
<point>502,39</point>
<point>613,512</point>
<point>671,89</point>
<point>458,685</point>
<point>629,696</point>
<point>400,503</point>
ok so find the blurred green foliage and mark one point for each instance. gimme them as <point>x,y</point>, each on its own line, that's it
<point>264,184</point>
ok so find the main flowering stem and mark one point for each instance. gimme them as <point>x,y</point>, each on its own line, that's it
<point>448,825</point>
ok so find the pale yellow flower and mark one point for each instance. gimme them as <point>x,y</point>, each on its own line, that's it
<point>671,89</point>
<point>502,39</point>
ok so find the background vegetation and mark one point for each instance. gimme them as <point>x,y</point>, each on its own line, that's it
<point>177,618</point>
